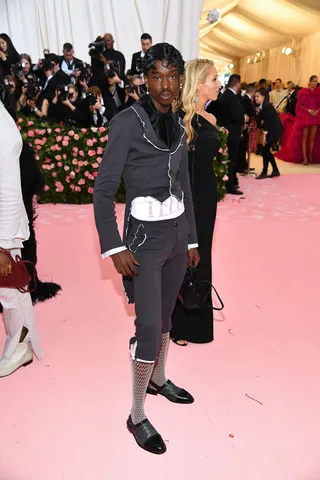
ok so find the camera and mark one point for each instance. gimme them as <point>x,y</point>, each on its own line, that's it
<point>5,88</point>
<point>112,69</point>
<point>97,47</point>
<point>46,53</point>
<point>63,92</point>
<point>91,98</point>
<point>32,86</point>
<point>85,71</point>
<point>17,69</point>
<point>132,89</point>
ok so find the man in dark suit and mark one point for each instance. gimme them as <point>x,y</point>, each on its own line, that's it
<point>250,112</point>
<point>68,63</point>
<point>55,77</point>
<point>146,43</point>
<point>231,116</point>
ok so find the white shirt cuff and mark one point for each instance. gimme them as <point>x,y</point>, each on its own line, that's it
<point>265,132</point>
<point>121,85</point>
<point>113,251</point>
<point>192,245</point>
<point>102,110</point>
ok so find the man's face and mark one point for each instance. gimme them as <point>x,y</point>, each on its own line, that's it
<point>278,84</point>
<point>146,44</point>
<point>109,41</point>
<point>68,55</point>
<point>163,84</point>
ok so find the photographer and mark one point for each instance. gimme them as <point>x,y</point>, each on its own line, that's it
<point>23,68</point>
<point>84,78</point>
<point>66,106</point>
<point>8,54</point>
<point>30,102</point>
<point>100,113</point>
<point>136,63</point>
<point>116,94</point>
<point>54,76</point>
<point>134,91</point>
<point>8,92</point>
<point>69,63</point>
<point>102,52</point>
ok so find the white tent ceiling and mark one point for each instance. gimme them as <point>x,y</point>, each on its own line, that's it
<point>247,26</point>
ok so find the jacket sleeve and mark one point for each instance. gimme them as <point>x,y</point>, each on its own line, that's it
<point>108,181</point>
<point>188,201</point>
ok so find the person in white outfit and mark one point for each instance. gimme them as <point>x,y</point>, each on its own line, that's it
<point>22,335</point>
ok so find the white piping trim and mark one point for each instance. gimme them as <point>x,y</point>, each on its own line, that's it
<point>133,354</point>
<point>165,150</point>
<point>134,238</point>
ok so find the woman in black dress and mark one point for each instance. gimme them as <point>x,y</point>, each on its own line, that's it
<point>8,54</point>
<point>201,85</point>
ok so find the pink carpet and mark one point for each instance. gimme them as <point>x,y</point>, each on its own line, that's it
<point>64,418</point>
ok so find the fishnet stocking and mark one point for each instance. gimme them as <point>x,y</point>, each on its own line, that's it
<point>141,374</point>
<point>158,375</point>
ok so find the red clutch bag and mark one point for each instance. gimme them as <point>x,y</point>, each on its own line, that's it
<point>20,277</point>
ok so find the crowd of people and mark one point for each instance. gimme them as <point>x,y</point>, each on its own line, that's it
<point>66,89</point>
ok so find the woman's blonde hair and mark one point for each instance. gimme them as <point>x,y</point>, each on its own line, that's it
<point>196,72</point>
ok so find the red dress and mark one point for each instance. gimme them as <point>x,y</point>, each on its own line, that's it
<point>291,150</point>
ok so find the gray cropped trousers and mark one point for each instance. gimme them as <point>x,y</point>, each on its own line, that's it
<point>161,248</point>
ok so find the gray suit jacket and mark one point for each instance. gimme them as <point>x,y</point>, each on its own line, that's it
<point>148,167</point>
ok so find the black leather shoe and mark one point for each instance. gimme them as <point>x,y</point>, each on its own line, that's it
<point>146,436</point>
<point>171,392</point>
<point>234,191</point>
<point>262,176</point>
<point>274,174</point>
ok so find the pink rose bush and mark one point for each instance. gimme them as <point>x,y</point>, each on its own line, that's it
<point>70,159</point>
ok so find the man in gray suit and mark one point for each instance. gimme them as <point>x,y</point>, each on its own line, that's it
<point>147,146</point>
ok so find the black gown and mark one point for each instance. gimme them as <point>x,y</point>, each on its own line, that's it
<point>197,325</point>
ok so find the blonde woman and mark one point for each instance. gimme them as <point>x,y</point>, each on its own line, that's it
<point>201,85</point>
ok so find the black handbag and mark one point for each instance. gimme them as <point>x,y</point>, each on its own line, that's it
<point>192,290</point>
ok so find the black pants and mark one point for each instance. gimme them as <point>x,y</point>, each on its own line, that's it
<point>233,151</point>
<point>242,163</point>
<point>268,157</point>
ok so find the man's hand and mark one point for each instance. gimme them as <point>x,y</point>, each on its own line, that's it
<point>96,106</point>
<point>103,58</point>
<point>246,118</point>
<point>84,85</point>
<point>194,257</point>
<point>124,263</point>
<point>114,80</point>
<point>5,266</point>
<point>134,95</point>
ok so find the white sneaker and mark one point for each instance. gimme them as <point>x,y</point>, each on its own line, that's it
<point>21,357</point>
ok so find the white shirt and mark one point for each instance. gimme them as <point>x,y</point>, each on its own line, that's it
<point>65,68</point>
<point>46,84</point>
<point>14,225</point>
